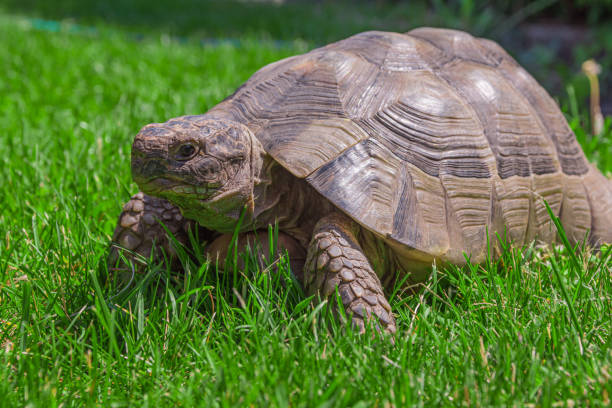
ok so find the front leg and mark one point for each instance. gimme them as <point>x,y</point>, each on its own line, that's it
<point>335,260</point>
<point>140,230</point>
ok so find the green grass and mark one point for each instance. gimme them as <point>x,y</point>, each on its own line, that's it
<point>532,328</point>
<point>323,21</point>
<point>319,22</point>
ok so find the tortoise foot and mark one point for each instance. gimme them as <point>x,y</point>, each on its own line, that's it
<point>140,229</point>
<point>336,262</point>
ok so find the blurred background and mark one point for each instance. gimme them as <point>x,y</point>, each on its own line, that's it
<point>551,38</point>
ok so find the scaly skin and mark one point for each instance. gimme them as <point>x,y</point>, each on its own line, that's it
<point>336,261</point>
<point>139,230</point>
<point>206,172</point>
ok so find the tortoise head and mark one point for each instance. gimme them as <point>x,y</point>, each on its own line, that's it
<point>206,167</point>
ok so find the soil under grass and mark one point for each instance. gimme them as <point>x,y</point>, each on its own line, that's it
<point>532,328</point>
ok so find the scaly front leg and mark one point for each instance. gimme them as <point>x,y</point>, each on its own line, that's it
<point>140,229</point>
<point>335,260</point>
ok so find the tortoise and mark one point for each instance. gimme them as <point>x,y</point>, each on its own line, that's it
<point>376,156</point>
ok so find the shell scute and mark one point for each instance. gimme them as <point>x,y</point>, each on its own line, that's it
<point>431,139</point>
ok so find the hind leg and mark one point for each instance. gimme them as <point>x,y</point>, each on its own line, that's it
<point>258,242</point>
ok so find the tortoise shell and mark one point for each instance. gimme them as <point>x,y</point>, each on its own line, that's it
<point>431,139</point>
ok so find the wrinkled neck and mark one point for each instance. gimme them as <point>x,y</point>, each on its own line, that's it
<point>283,199</point>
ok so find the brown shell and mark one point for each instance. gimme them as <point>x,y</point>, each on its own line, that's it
<point>430,139</point>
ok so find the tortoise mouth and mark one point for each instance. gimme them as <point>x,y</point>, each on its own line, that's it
<point>168,188</point>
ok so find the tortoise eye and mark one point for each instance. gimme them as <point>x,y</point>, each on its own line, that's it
<point>186,151</point>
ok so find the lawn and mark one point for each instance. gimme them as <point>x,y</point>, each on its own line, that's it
<point>530,329</point>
